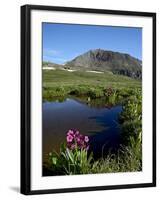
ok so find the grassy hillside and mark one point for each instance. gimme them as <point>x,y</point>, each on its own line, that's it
<point>54,78</point>
<point>61,83</point>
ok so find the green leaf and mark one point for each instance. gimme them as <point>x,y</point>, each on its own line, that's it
<point>70,155</point>
<point>54,160</point>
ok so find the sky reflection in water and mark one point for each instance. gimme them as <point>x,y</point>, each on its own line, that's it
<point>100,124</point>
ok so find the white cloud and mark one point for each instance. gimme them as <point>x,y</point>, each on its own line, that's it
<point>58,60</point>
<point>51,52</point>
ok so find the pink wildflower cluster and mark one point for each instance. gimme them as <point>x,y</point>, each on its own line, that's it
<point>77,140</point>
<point>109,91</point>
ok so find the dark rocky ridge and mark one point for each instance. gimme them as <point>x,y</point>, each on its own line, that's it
<point>103,60</point>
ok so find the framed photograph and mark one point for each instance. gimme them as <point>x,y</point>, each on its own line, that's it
<point>88,99</point>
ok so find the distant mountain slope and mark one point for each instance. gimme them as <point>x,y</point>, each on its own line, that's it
<point>51,65</point>
<point>103,60</point>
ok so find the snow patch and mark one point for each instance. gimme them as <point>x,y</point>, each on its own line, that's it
<point>96,72</point>
<point>49,68</point>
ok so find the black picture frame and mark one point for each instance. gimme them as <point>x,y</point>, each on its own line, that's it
<point>26,98</point>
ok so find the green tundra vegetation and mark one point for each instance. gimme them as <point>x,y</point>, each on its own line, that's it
<point>113,89</point>
<point>59,83</point>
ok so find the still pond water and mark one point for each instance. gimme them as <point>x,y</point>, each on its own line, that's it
<point>99,123</point>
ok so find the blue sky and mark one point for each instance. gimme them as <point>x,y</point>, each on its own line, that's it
<point>63,42</point>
